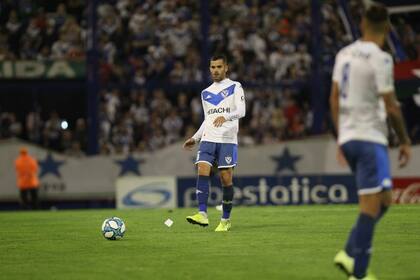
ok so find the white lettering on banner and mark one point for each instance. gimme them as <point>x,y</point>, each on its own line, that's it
<point>314,194</point>
<point>263,188</point>
<point>279,195</point>
<point>411,194</point>
<point>7,70</point>
<point>336,193</point>
<point>283,199</point>
<point>29,69</point>
<point>59,68</point>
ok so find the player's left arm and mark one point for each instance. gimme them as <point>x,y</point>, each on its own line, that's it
<point>335,90</point>
<point>240,108</point>
<point>334,107</point>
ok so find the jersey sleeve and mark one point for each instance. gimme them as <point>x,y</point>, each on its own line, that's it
<point>384,74</point>
<point>336,70</point>
<point>239,111</point>
<point>199,134</point>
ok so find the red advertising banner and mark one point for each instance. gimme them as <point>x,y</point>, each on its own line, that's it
<point>406,190</point>
<point>406,70</point>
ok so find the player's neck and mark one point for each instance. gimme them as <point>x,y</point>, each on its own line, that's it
<point>378,39</point>
<point>220,81</point>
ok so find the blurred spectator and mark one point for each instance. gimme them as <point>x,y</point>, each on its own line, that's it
<point>33,127</point>
<point>9,126</point>
<point>27,179</point>
<point>52,132</point>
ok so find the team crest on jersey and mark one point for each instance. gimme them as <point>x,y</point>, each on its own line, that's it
<point>228,160</point>
<point>224,93</point>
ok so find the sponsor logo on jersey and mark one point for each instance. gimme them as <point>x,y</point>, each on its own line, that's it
<point>218,111</point>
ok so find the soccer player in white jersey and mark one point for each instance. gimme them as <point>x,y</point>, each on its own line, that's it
<point>224,104</point>
<point>362,96</point>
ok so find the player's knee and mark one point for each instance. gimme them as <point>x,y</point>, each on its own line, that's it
<point>203,169</point>
<point>386,198</point>
<point>226,177</point>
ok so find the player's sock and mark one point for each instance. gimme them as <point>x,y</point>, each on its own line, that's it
<point>381,212</point>
<point>203,183</point>
<point>363,243</point>
<point>227,201</point>
<point>352,236</point>
<point>350,242</point>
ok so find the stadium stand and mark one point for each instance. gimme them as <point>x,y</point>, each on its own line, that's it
<point>150,66</point>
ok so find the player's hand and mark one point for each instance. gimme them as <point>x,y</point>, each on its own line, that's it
<point>189,144</point>
<point>218,122</point>
<point>405,155</point>
<point>341,158</point>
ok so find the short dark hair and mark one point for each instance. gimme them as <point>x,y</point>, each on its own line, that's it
<point>219,56</point>
<point>377,16</point>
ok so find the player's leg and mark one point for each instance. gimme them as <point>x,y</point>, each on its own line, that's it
<point>344,258</point>
<point>374,184</point>
<point>24,199</point>
<point>227,159</point>
<point>203,185</point>
<point>372,209</point>
<point>226,177</point>
<point>34,198</point>
<point>205,159</point>
<point>386,200</point>
<point>370,205</point>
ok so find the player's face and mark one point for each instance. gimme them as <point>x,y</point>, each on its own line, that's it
<point>218,70</point>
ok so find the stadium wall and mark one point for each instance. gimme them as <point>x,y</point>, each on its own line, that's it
<point>295,172</point>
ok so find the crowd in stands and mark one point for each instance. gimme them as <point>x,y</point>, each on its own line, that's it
<point>50,133</point>
<point>30,32</point>
<point>164,49</point>
<point>405,26</point>
<point>149,54</point>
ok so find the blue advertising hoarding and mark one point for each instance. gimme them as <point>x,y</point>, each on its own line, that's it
<point>273,190</point>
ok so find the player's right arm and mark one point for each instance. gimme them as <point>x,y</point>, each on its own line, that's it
<point>385,84</point>
<point>189,143</point>
<point>397,122</point>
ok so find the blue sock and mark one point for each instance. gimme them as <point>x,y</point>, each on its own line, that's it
<point>227,201</point>
<point>363,242</point>
<point>352,236</point>
<point>203,183</point>
<point>350,242</point>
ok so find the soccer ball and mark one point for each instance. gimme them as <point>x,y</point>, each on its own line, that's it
<point>113,228</point>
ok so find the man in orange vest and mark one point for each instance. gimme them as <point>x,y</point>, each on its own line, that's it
<point>27,179</point>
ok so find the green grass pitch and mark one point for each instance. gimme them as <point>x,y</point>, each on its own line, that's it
<point>289,242</point>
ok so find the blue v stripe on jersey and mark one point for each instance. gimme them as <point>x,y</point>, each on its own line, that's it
<point>215,99</point>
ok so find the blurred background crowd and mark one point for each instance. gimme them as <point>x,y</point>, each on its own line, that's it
<point>150,66</point>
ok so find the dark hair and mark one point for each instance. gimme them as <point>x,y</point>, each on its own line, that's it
<point>377,14</point>
<point>219,56</point>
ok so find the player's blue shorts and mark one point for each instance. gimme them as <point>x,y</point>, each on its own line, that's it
<point>370,163</point>
<point>225,155</point>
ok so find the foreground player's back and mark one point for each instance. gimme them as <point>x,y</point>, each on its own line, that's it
<point>363,71</point>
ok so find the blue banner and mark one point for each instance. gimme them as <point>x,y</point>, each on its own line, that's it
<point>272,190</point>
